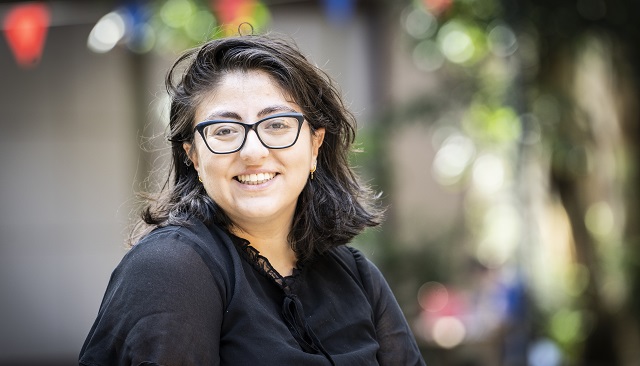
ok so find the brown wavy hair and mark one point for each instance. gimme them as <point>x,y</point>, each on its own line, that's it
<point>331,209</point>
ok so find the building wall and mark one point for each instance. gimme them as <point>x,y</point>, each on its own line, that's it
<point>68,162</point>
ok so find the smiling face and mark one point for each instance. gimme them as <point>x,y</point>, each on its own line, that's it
<point>256,185</point>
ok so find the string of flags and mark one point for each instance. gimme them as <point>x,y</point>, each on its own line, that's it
<point>25,28</point>
<point>142,25</point>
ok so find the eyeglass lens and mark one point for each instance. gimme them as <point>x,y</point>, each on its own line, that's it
<point>276,132</point>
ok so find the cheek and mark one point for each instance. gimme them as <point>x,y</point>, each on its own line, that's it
<point>197,154</point>
<point>214,181</point>
<point>213,168</point>
<point>302,159</point>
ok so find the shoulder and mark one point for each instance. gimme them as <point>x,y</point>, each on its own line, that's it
<point>168,246</point>
<point>167,288</point>
<point>362,269</point>
<point>178,245</point>
<point>170,266</point>
<point>356,260</point>
<point>175,253</point>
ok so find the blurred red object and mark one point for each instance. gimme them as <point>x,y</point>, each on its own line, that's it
<point>437,7</point>
<point>25,27</point>
<point>231,11</point>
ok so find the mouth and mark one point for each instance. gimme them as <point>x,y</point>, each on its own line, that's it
<point>255,179</point>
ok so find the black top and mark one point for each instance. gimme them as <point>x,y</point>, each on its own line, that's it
<point>200,296</point>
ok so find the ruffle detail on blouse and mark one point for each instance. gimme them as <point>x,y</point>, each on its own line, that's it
<point>261,264</point>
<point>292,309</point>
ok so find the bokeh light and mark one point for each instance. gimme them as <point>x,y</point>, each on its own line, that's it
<point>145,39</point>
<point>448,331</point>
<point>419,23</point>
<point>488,173</point>
<point>427,56</point>
<point>576,279</point>
<point>456,44</point>
<point>501,232</point>
<point>544,352</point>
<point>461,43</point>
<point>492,125</point>
<point>107,32</point>
<point>453,157</point>
<point>177,13</point>
<point>502,40</point>
<point>599,219</point>
<point>433,296</point>
<point>174,25</point>
<point>201,26</point>
<point>566,326</point>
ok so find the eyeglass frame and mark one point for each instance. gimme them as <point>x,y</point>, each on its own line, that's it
<point>249,127</point>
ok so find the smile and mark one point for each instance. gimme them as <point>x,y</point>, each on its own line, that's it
<point>254,179</point>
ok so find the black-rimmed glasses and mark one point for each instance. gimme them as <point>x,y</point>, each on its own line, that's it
<point>278,131</point>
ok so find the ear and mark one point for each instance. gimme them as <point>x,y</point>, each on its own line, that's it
<point>316,141</point>
<point>191,152</point>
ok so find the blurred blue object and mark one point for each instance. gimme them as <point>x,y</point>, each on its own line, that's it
<point>339,11</point>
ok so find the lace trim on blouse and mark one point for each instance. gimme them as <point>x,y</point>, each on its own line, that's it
<point>292,309</point>
<point>261,264</point>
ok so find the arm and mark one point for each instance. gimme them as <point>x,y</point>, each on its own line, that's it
<point>397,343</point>
<point>162,306</point>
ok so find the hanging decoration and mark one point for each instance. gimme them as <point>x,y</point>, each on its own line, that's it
<point>25,28</point>
<point>127,25</point>
<point>232,13</point>
<point>339,12</point>
<point>174,25</point>
<point>140,38</point>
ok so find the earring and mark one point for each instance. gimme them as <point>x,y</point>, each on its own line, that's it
<point>199,178</point>
<point>187,161</point>
<point>312,171</point>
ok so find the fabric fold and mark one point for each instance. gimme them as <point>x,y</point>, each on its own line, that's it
<point>293,314</point>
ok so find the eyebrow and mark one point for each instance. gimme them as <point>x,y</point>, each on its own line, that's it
<point>275,109</point>
<point>223,114</point>
<point>263,113</point>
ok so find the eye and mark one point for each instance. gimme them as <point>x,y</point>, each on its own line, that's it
<point>281,124</point>
<point>222,130</point>
<point>277,125</point>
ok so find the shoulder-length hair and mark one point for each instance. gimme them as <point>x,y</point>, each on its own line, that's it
<point>331,209</point>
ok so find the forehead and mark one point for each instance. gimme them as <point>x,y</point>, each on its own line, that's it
<point>244,93</point>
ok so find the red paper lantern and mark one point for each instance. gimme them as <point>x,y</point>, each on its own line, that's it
<point>25,27</point>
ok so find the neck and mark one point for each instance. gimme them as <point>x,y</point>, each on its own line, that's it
<point>272,244</point>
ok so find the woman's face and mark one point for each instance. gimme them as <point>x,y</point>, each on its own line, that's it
<point>248,97</point>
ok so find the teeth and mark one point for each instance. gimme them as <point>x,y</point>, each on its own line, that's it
<point>255,178</point>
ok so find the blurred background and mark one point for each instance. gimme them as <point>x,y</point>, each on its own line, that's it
<point>502,134</point>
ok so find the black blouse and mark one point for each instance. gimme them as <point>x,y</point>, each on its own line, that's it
<point>199,296</point>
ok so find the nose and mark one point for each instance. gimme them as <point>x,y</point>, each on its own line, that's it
<point>253,149</point>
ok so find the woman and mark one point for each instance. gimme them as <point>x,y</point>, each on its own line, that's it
<point>244,261</point>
